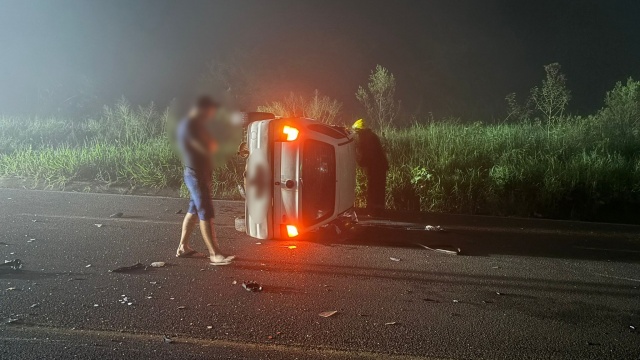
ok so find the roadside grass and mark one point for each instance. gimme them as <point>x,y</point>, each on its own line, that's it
<point>574,169</point>
<point>584,168</point>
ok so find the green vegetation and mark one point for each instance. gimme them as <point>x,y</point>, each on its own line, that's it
<point>123,146</point>
<point>378,98</point>
<point>317,107</point>
<point>537,162</point>
<point>575,169</point>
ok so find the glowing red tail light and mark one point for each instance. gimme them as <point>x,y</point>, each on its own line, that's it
<point>292,231</point>
<point>290,132</point>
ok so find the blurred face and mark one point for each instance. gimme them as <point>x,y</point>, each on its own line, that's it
<point>206,114</point>
<point>209,113</point>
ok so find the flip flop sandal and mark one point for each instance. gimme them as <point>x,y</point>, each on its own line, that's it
<point>226,261</point>
<point>190,254</point>
<point>222,263</point>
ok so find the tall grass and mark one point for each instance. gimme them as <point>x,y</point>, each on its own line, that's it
<point>571,167</point>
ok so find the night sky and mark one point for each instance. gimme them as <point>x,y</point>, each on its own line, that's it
<point>449,57</point>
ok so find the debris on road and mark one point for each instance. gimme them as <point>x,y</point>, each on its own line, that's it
<point>394,259</point>
<point>166,339</point>
<point>252,286</point>
<point>116,215</point>
<point>499,293</point>
<point>98,225</point>
<point>13,321</point>
<point>12,289</point>
<point>434,228</point>
<point>456,301</point>
<point>632,327</point>
<point>430,300</point>
<point>179,211</point>
<point>182,307</point>
<point>34,306</point>
<point>326,314</point>
<point>449,250</point>
<point>158,264</point>
<point>125,300</point>
<point>15,265</point>
<point>392,323</point>
<point>88,266</point>
<point>131,268</point>
<point>31,240</point>
<point>209,327</point>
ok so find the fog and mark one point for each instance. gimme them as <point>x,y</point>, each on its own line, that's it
<point>450,58</point>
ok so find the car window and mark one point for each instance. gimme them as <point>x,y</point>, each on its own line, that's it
<point>318,182</point>
<point>327,130</point>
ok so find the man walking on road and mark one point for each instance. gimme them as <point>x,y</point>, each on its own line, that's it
<point>197,146</point>
<point>371,157</point>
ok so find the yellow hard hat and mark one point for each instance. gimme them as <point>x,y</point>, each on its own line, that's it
<point>358,125</point>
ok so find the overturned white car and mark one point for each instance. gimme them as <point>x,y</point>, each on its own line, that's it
<point>300,176</point>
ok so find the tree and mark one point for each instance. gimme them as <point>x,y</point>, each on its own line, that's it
<point>552,98</point>
<point>378,98</point>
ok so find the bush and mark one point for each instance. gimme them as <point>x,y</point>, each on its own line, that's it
<point>317,107</point>
<point>622,106</point>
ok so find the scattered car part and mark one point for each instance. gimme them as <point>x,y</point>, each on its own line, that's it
<point>15,264</point>
<point>449,250</point>
<point>252,286</point>
<point>326,314</point>
<point>131,268</point>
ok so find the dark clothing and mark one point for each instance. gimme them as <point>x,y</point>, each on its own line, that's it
<point>190,130</point>
<point>376,186</point>
<point>199,184</point>
<point>369,151</point>
<point>373,159</point>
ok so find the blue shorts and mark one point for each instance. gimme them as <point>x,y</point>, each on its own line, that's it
<point>199,185</point>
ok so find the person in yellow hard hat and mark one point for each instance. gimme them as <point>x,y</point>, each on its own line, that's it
<point>372,158</point>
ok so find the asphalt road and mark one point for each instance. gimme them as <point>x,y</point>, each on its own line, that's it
<point>521,289</point>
